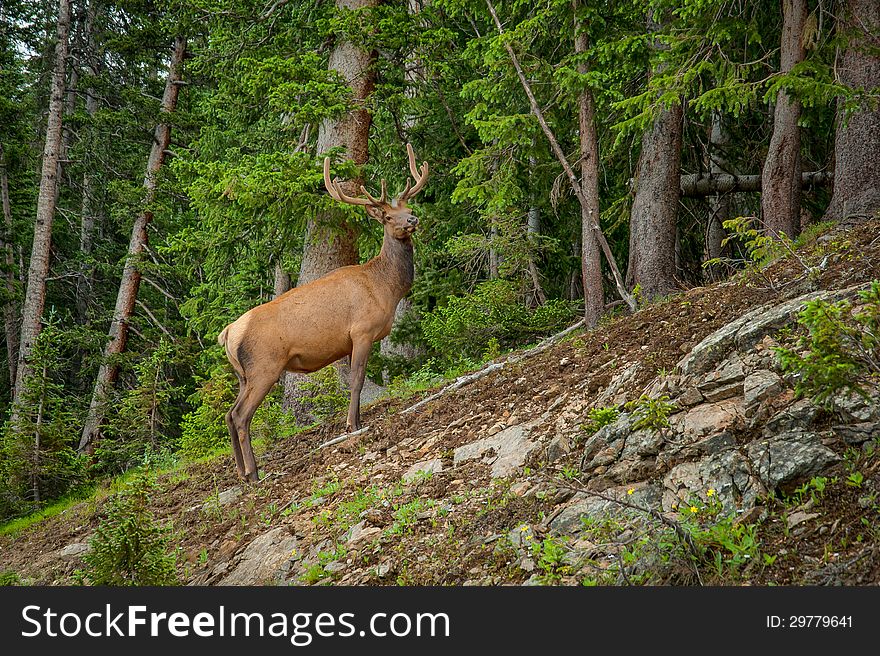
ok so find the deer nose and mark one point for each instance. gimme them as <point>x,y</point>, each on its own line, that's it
<point>413,221</point>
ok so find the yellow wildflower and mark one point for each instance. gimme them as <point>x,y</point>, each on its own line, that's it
<point>631,490</point>
<point>710,492</point>
<point>694,509</point>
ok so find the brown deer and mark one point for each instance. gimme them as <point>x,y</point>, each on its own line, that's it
<point>338,315</point>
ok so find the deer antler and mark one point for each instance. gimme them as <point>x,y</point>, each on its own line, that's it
<point>336,192</point>
<point>419,175</point>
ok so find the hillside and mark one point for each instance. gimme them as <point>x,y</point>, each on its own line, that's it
<point>504,481</point>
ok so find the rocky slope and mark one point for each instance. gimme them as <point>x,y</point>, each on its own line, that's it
<point>718,475</point>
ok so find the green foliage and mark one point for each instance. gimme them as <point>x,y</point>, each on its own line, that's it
<point>37,457</point>
<point>466,324</point>
<point>129,547</point>
<point>651,413</point>
<point>841,350</point>
<point>599,417</point>
<point>10,578</point>
<point>326,396</point>
<point>203,430</point>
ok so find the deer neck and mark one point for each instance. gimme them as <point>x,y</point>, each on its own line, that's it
<point>394,264</point>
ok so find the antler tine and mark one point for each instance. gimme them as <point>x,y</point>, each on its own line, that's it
<point>336,192</point>
<point>382,197</point>
<point>420,176</point>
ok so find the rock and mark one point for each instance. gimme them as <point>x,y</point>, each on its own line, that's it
<point>759,386</point>
<point>74,551</point>
<point>855,434</point>
<point>612,393</point>
<point>789,458</point>
<point>727,473</point>
<point>799,415</point>
<point>520,489</point>
<point>521,536</point>
<point>796,518</point>
<point>584,505</point>
<point>691,396</point>
<point>505,452</point>
<point>643,442</point>
<point>361,531</point>
<point>526,564</point>
<point>265,560</point>
<point>727,373</point>
<point>374,516</point>
<point>710,418</point>
<point>723,392</point>
<point>383,570</point>
<point>335,567</point>
<point>855,408</point>
<point>745,332</point>
<point>433,466</point>
<point>558,448</point>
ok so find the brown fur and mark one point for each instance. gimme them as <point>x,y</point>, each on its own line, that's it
<point>310,327</point>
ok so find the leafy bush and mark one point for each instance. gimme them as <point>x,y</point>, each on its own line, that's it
<point>599,417</point>
<point>467,324</point>
<point>203,431</point>
<point>327,398</point>
<point>651,413</point>
<point>841,350</point>
<point>129,547</point>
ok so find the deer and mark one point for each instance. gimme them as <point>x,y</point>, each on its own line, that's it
<point>340,314</point>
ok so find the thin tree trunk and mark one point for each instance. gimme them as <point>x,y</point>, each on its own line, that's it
<point>781,197</point>
<point>38,270</point>
<point>37,437</point>
<point>131,275</point>
<point>10,311</point>
<point>856,195</point>
<point>591,257</point>
<point>537,296</point>
<point>326,248</point>
<point>560,156</point>
<point>697,186</point>
<point>89,189</point>
<point>653,217</point>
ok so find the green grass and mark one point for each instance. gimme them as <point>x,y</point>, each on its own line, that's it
<point>16,526</point>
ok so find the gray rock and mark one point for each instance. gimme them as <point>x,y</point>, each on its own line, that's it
<point>854,407</point>
<point>728,372</point>
<point>74,551</point>
<point>857,433</point>
<point>433,466</point>
<point>585,505</point>
<point>690,396</point>
<point>558,448</point>
<point>745,332</point>
<point>506,451</point>
<point>265,560</point>
<point>727,473</point>
<point>789,458</point>
<point>723,392</point>
<point>799,415</point>
<point>644,442</point>
<point>759,386</point>
<point>361,531</point>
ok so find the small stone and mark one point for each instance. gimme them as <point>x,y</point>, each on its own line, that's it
<point>75,550</point>
<point>558,448</point>
<point>433,466</point>
<point>759,386</point>
<point>564,362</point>
<point>527,564</point>
<point>691,396</point>
<point>796,518</point>
<point>383,570</point>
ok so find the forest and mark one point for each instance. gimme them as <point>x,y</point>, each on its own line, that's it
<point>161,168</point>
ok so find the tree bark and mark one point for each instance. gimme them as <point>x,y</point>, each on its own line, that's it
<point>719,204</point>
<point>591,256</point>
<point>131,274</point>
<point>90,203</point>
<point>38,269</point>
<point>10,311</point>
<point>781,197</point>
<point>327,248</point>
<point>653,217</point>
<point>696,186</point>
<point>856,195</point>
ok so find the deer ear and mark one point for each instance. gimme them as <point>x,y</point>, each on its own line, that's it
<point>375,213</point>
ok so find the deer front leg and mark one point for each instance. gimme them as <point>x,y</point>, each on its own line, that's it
<point>359,355</point>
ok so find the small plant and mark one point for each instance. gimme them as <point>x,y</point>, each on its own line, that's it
<point>599,417</point>
<point>129,547</point>
<point>841,350</point>
<point>855,479</point>
<point>9,578</point>
<point>549,554</point>
<point>651,413</point>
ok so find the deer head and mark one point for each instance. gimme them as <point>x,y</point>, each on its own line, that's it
<point>394,215</point>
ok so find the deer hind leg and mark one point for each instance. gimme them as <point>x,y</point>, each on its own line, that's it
<point>242,413</point>
<point>359,356</point>
<point>233,431</point>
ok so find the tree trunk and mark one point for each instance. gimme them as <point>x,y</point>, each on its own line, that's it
<point>697,186</point>
<point>536,295</point>
<point>89,190</point>
<point>38,270</point>
<point>781,197</point>
<point>591,257</point>
<point>131,275</point>
<point>655,205</point>
<point>856,195</point>
<point>10,311</point>
<point>327,248</point>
